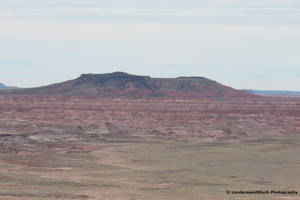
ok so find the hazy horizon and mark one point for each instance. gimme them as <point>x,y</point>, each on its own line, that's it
<point>238,43</point>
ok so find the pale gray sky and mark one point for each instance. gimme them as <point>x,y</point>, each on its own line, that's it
<point>243,44</point>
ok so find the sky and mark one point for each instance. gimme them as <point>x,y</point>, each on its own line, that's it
<point>240,43</point>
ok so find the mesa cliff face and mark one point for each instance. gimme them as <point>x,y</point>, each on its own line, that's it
<point>119,84</point>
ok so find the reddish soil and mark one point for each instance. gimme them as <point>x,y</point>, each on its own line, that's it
<point>224,119</point>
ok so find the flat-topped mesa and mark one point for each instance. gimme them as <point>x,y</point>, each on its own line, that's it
<point>192,77</point>
<point>102,78</point>
<point>126,76</point>
<point>120,84</point>
<point>108,76</point>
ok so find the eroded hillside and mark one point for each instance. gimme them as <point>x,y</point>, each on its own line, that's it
<point>46,119</point>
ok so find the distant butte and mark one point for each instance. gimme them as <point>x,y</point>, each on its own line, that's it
<point>4,87</point>
<point>120,84</point>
